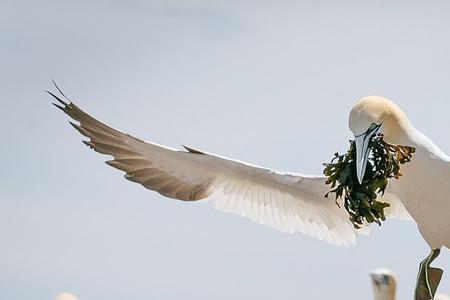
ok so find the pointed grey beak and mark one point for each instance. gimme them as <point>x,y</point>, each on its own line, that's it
<point>362,151</point>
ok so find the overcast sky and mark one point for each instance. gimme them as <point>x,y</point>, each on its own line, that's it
<point>267,82</point>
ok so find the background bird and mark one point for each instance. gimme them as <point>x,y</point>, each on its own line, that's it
<point>384,285</point>
<point>66,296</point>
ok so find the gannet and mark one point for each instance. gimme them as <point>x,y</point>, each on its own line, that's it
<point>383,284</point>
<point>66,296</point>
<point>422,189</point>
<point>287,201</point>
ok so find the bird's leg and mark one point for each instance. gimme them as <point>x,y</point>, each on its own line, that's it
<point>428,278</point>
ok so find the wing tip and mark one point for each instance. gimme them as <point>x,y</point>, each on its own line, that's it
<point>192,150</point>
<point>58,99</point>
<point>59,90</point>
<point>58,106</point>
<point>88,143</point>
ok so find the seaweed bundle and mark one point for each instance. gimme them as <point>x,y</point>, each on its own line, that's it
<point>360,199</point>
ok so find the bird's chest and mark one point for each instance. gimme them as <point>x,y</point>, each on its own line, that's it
<point>425,190</point>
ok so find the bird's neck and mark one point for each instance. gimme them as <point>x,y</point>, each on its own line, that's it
<point>401,132</point>
<point>383,294</point>
<point>398,129</point>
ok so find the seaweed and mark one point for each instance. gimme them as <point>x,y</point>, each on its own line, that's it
<point>360,199</point>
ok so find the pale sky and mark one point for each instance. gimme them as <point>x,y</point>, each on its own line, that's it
<point>267,82</point>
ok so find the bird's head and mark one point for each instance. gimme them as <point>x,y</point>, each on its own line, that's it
<point>383,284</point>
<point>369,116</point>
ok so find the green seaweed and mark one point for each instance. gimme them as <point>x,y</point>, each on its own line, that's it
<point>360,200</point>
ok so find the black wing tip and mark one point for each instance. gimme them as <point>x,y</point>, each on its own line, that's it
<point>191,150</point>
<point>88,143</point>
<point>64,103</point>
<point>59,90</point>
<point>58,99</point>
<point>58,106</point>
<point>77,127</point>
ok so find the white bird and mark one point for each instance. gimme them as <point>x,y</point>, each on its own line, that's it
<point>441,297</point>
<point>384,285</point>
<point>287,201</point>
<point>66,296</point>
<point>422,190</point>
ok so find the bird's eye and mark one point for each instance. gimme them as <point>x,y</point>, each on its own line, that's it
<point>372,126</point>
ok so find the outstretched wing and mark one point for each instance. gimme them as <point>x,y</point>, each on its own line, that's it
<point>288,202</point>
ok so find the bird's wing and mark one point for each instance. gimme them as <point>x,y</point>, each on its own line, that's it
<point>283,201</point>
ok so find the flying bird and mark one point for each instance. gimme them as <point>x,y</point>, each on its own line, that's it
<point>287,201</point>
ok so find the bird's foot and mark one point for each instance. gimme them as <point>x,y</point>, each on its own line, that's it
<point>428,278</point>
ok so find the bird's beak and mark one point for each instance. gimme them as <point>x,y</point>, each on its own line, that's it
<point>379,279</point>
<point>362,151</point>
<point>375,280</point>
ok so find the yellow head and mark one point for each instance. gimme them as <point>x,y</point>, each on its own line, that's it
<point>370,116</point>
<point>383,284</point>
<point>378,111</point>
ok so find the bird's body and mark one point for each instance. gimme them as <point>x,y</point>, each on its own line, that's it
<point>424,190</point>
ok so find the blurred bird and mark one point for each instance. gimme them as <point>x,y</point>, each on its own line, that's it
<point>383,284</point>
<point>66,296</point>
<point>286,201</point>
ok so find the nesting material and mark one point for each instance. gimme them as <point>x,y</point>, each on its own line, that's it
<point>360,200</point>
